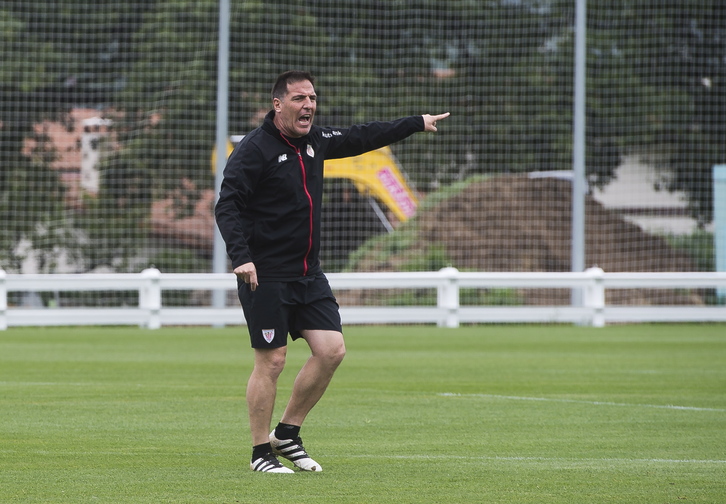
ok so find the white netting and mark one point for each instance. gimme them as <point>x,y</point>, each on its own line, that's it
<point>107,127</point>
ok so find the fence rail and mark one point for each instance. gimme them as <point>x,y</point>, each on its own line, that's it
<point>448,312</point>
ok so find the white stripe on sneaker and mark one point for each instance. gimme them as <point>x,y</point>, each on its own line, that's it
<point>269,464</point>
<point>292,450</point>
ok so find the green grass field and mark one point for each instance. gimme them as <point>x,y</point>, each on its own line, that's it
<point>490,414</point>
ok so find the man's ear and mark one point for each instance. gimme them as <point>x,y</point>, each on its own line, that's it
<point>276,103</point>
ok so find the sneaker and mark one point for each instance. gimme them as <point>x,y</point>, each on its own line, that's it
<point>292,450</point>
<point>269,463</point>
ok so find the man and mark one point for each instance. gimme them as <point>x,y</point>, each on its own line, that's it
<point>269,216</point>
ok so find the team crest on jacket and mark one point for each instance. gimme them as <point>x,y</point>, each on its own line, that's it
<point>311,152</point>
<point>268,334</point>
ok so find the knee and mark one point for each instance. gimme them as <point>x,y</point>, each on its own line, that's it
<point>277,364</point>
<point>271,362</point>
<point>335,354</point>
<point>328,347</point>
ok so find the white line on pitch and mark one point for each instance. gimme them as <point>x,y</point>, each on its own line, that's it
<point>596,403</point>
<point>538,459</point>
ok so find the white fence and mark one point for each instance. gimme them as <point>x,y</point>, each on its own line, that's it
<point>448,311</point>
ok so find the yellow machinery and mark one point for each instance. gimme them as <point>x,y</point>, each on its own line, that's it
<point>376,175</point>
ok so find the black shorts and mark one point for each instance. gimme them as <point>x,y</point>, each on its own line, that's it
<point>275,309</point>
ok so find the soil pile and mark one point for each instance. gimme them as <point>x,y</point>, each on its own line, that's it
<point>517,223</point>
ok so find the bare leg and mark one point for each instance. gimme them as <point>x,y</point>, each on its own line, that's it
<point>261,391</point>
<point>328,350</point>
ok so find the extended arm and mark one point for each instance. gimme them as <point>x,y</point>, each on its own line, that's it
<point>362,138</point>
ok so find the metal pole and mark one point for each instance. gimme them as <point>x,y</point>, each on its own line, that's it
<point>578,157</point>
<point>719,223</point>
<point>219,262</point>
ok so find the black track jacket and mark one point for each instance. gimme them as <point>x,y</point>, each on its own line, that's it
<point>268,210</point>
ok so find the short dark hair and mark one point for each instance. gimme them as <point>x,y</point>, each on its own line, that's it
<point>279,90</point>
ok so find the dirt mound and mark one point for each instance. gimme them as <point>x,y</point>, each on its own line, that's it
<point>517,223</point>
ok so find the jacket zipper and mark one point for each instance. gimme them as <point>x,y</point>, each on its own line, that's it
<point>310,203</point>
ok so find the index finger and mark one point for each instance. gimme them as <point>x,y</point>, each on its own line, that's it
<point>442,116</point>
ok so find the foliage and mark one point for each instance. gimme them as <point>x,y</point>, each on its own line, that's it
<point>491,297</point>
<point>31,195</point>
<point>380,249</point>
<point>116,221</point>
<point>699,246</point>
<point>69,65</point>
<point>433,258</point>
<point>35,220</point>
<point>662,66</point>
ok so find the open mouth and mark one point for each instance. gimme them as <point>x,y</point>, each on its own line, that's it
<point>305,119</point>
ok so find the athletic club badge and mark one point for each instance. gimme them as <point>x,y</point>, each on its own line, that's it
<point>268,334</point>
<point>311,152</point>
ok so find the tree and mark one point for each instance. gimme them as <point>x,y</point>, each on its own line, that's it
<point>24,175</point>
<point>54,57</point>
<point>659,67</point>
<point>503,68</point>
<point>696,58</point>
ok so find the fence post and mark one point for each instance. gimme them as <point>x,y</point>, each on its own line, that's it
<point>594,298</point>
<point>150,297</point>
<point>3,300</point>
<point>447,297</point>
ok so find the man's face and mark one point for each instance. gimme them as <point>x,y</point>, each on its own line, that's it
<point>295,111</point>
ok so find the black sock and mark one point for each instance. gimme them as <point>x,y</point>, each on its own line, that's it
<point>287,431</point>
<point>261,450</point>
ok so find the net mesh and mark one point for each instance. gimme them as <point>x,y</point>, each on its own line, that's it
<point>107,128</point>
